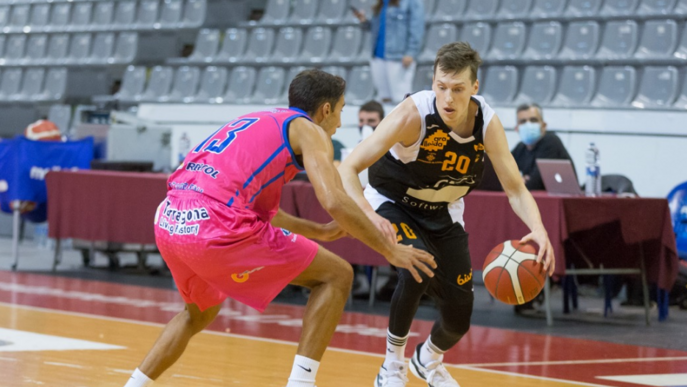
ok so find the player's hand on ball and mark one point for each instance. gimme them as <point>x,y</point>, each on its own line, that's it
<point>383,225</point>
<point>331,232</point>
<point>412,259</point>
<point>545,249</point>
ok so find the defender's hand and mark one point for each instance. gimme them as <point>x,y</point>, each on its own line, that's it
<point>412,259</point>
<point>383,225</point>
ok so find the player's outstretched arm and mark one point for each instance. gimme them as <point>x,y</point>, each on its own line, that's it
<point>401,125</point>
<point>310,141</point>
<point>520,198</point>
<point>309,229</point>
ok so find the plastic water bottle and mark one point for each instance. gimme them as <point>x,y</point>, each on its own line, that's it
<point>592,186</point>
<point>184,146</point>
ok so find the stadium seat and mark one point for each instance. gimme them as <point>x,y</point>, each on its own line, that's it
<point>133,84</point>
<point>212,85</point>
<point>303,12</point>
<point>480,9</point>
<point>10,83</point>
<point>276,12</point>
<point>147,14</point>
<point>362,5</point>
<point>126,48</point>
<point>36,47</point>
<point>336,70</point>
<point>40,16</point>
<point>514,9</point>
<point>234,45</point>
<point>317,43</point>
<point>501,84</point>
<point>61,115</point>
<point>437,36</point>
<point>293,71</point>
<point>103,47</point>
<point>538,85</point>
<point>583,8</point>
<point>60,16</point>
<point>102,14</point>
<point>171,13</point>
<point>3,39</point>
<point>81,14</point>
<point>429,6</point>
<point>55,86</point>
<point>125,14</point>
<point>194,13</point>
<point>449,10</point>
<point>260,44</point>
<point>680,7</point>
<point>359,85</point>
<point>346,44</point>
<point>681,50</point>
<point>79,48</point>
<point>509,40</point>
<point>207,44</point>
<point>185,84</point>
<point>619,7</point>
<point>581,40</point>
<point>545,40</point>
<point>4,15</point>
<point>159,84</point>
<point>366,48</point>
<point>656,7</point>
<point>32,84</point>
<point>20,16</point>
<point>681,102</point>
<point>57,49</point>
<point>658,88</point>
<point>620,40</point>
<point>478,35</point>
<point>576,87</point>
<point>331,11</point>
<point>269,85</point>
<point>617,86</point>
<point>241,84</point>
<point>423,78</point>
<point>659,39</point>
<point>15,49</point>
<point>547,8</point>
<point>288,45</point>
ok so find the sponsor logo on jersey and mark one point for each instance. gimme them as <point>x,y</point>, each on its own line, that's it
<point>436,141</point>
<point>243,277</point>
<point>206,169</point>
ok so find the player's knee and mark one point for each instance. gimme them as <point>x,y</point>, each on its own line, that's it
<point>197,320</point>
<point>344,276</point>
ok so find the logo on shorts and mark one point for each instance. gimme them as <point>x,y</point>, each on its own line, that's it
<point>463,279</point>
<point>243,277</point>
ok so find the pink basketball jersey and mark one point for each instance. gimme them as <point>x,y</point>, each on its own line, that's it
<point>244,164</point>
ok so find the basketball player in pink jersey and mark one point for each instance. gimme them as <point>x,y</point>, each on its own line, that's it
<point>222,234</point>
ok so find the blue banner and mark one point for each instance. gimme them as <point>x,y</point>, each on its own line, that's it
<point>24,164</point>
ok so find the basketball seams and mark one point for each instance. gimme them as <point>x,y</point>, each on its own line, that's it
<point>509,252</point>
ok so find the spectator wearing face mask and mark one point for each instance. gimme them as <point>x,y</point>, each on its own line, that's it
<point>536,143</point>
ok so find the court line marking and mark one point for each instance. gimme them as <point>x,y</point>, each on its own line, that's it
<point>574,362</point>
<point>473,367</point>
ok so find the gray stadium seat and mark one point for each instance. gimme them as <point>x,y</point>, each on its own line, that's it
<point>366,48</point>
<point>620,39</point>
<point>40,16</point>
<point>234,45</point>
<point>538,85</point>
<point>317,43</point>
<point>55,86</point>
<point>580,8</point>
<point>514,9</point>
<point>449,10</point>
<point>185,84</point>
<point>276,12</point>
<point>81,14</point>
<point>681,50</point>
<point>270,85</point>
<point>20,16</point>
<point>423,78</point>
<point>103,47</point>
<point>659,39</point>
<point>656,7</point>
<point>126,48</point>
<point>619,7</point>
<point>509,40</point>
<point>547,8</point>
<point>331,11</point>
<point>437,36</point>
<point>363,5</point>
<point>681,102</point>
<point>501,84</point>
<point>359,85</point>
<point>545,40</point>
<point>159,84</point>
<point>293,71</point>
<point>680,7</point>
<point>79,48</point>
<point>171,13</point>
<point>241,84</point>
<point>212,85</point>
<point>576,87</point>
<point>303,12</point>
<point>581,40</point>
<point>36,47</point>
<point>207,44</point>
<point>429,6</point>
<point>57,49</point>
<point>194,13</point>
<point>346,44</point>
<point>481,9</point>
<point>125,14</point>
<point>3,39</point>
<point>617,86</point>
<point>4,15</point>
<point>102,13</point>
<point>133,83</point>
<point>15,48</point>
<point>61,115</point>
<point>32,84</point>
<point>336,70</point>
<point>10,83</point>
<point>260,44</point>
<point>658,88</point>
<point>60,16</point>
<point>288,44</point>
<point>147,13</point>
<point>478,35</point>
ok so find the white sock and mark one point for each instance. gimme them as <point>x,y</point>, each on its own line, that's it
<point>430,352</point>
<point>395,348</point>
<point>138,379</point>
<point>303,372</point>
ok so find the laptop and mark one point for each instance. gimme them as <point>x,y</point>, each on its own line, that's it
<point>559,177</point>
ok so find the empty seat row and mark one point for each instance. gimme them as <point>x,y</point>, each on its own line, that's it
<point>651,87</point>
<point>286,45</point>
<point>579,40</point>
<point>454,10</point>
<point>100,48</point>
<point>313,11</point>
<point>102,15</point>
<point>239,85</point>
<point>33,85</point>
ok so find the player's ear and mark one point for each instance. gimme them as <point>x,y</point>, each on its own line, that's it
<point>326,109</point>
<point>475,86</point>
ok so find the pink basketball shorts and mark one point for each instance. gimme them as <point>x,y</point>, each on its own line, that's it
<point>215,251</point>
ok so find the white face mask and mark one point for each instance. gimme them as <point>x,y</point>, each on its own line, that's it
<point>530,132</point>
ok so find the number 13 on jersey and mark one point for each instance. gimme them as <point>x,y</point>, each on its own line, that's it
<point>215,144</point>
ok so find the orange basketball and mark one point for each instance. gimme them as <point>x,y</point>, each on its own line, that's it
<point>511,273</point>
<point>43,130</point>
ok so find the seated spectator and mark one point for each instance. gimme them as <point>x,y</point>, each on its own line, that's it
<point>370,114</point>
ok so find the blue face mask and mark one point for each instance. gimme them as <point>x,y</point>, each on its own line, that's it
<point>530,132</point>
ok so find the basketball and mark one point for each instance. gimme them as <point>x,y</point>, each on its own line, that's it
<point>511,273</point>
<point>43,130</point>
